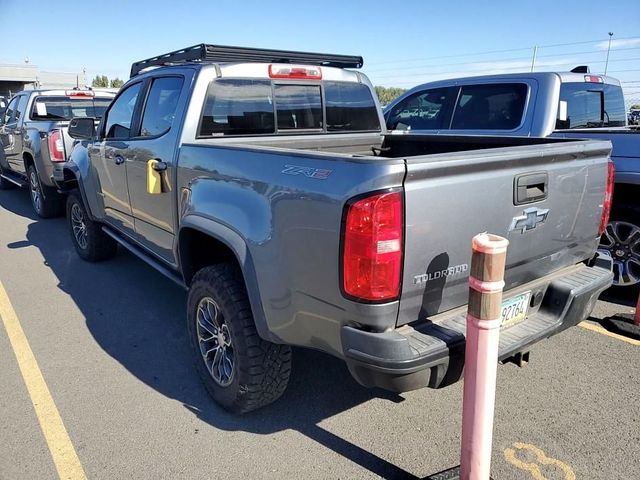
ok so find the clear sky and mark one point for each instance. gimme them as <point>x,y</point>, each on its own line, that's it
<point>404,43</point>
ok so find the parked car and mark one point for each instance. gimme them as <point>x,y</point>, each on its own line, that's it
<point>567,105</point>
<point>3,105</point>
<point>265,183</point>
<point>633,117</point>
<point>33,133</point>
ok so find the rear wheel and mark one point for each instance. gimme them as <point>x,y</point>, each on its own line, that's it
<point>91,243</point>
<point>46,202</point>
<point>240,370</point>
<point>621,240</point>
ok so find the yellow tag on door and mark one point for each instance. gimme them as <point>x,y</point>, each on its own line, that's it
<point>154,180</point>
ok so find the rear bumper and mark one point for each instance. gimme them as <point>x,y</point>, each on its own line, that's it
<point>57,174</point>
<point>432,354</point>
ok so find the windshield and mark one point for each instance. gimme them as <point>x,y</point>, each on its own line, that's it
<point>66,108</point>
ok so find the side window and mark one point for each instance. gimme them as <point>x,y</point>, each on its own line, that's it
<point>238,107</point>
<point>426,110</point>
<point>21,108</point>
<point>490,107</point>
<point>9,115</point>
<point>161,105</point>
<point>120,115</point>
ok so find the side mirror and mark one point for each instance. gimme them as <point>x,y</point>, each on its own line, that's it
<point>82,128</point>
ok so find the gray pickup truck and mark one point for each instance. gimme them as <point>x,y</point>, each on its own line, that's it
<point>35,143</point>
<point>265,183</point>
<point>574,104</point>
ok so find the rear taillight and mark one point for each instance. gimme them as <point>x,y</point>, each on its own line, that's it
<point>608,197</point>
<point>372,251</point>
<point>56,146</point>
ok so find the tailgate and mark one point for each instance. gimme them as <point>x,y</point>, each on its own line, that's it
<point>451,197</point>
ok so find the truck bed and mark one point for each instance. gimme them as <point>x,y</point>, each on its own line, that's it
<point>455,187</point>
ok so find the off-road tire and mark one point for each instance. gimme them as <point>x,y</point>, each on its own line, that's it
<point>629,214</point>
<point>99,246</point>
<point>50,202</point>
<point>261,369</point>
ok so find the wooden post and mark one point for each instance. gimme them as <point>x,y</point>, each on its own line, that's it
<point>486,282</point>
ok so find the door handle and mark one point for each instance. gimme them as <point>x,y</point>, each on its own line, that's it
<point>118,159</point>
<point>159,166</point>
<point>530,187</point>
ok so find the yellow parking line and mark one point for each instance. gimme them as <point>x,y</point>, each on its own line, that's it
<point>510,454</point>
<point>594,327</point>
<point>64,455</point>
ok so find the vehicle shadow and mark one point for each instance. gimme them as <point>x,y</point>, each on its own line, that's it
<point>138,317</point>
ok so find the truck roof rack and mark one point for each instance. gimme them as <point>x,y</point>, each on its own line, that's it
<point>220,53</point>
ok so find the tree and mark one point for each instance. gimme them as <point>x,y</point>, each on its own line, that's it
<point>387,94</point>
<point>116,83</point>
<point>101,81</point>
<point>635,107</point>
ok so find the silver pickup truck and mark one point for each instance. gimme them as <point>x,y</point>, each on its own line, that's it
<point>574,104</point>
<point>35,143</point>
<point>265,183</point>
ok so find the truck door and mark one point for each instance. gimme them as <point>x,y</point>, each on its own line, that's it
<point>151,166</point>
<point>12,132</point>
<point>110,153</point>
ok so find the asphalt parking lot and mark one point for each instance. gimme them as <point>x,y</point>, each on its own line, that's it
<point>110,342</point>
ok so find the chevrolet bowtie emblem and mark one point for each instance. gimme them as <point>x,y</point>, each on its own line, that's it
<point>529,219</point>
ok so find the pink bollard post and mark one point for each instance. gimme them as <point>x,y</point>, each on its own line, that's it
<point>486,283</point>
<point>636,316</point>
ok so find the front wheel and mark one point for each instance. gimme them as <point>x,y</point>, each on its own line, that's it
<point>91,243</point>
<point>240,370</point>
<point>621,240</point>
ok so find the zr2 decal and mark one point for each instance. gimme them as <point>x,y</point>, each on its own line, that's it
<point>317,173</point>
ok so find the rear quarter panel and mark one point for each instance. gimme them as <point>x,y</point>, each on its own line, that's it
<point>291,225</point>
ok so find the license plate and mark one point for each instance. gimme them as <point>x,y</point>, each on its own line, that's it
<point>514,309</point>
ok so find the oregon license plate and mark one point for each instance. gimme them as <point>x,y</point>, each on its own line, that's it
<point>514,309</point>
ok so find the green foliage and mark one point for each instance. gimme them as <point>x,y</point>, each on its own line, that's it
<point>101,81</point>
<point>387,94</point>
<point>635,107</point>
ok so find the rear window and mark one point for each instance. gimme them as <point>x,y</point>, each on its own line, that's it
<point>299,107</point>
<point>66,108</point>
<point>259,107</point>
<point>238,107</point>
<point>591,105</point>
<point>350,107</point>
<point>490,107</point>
